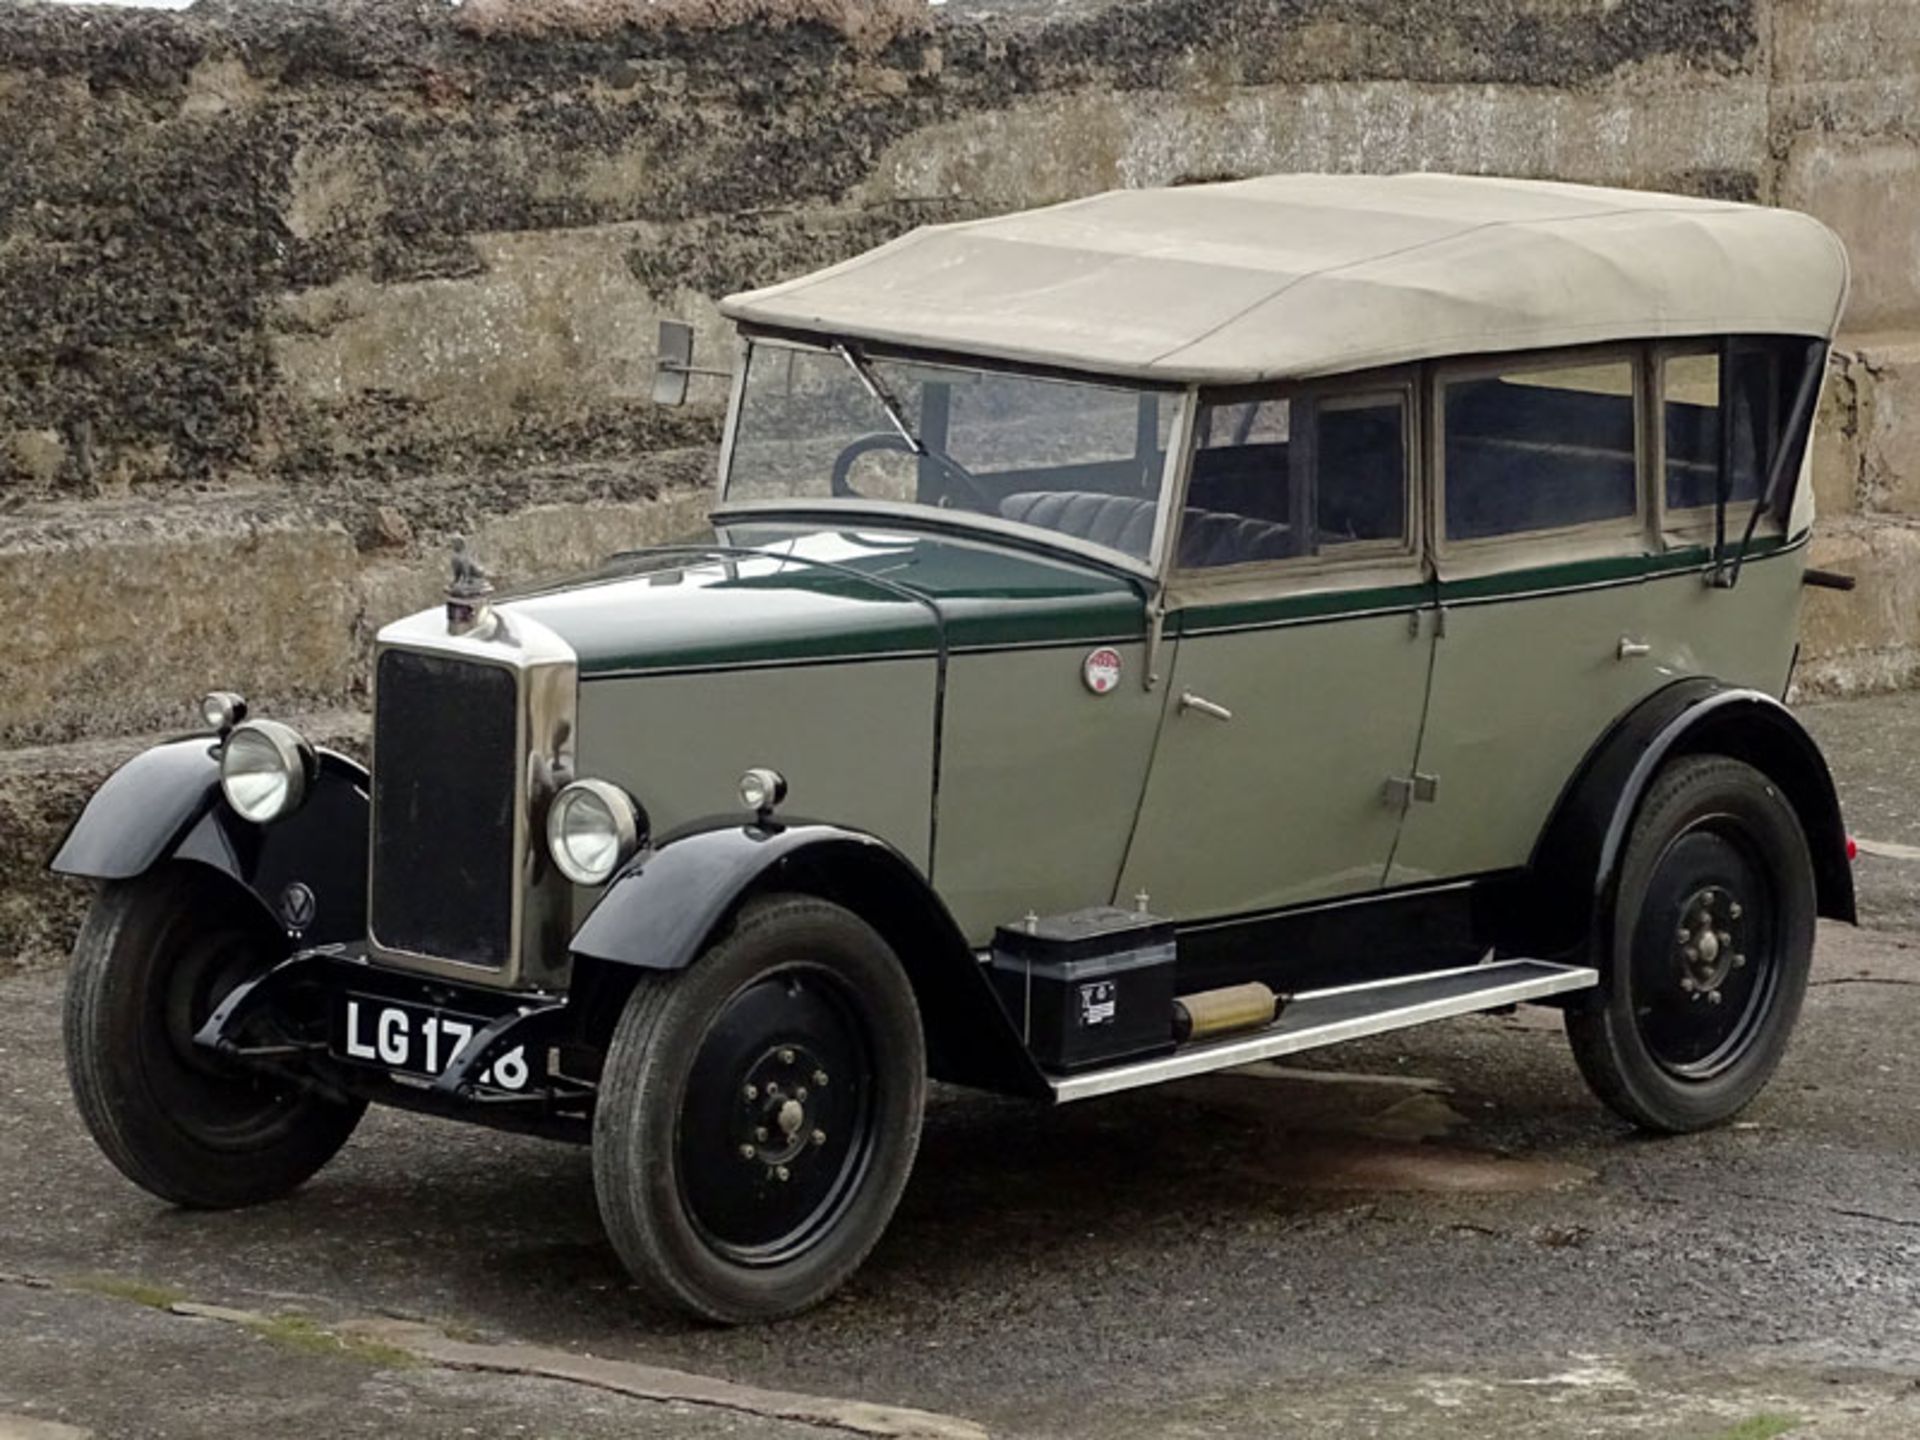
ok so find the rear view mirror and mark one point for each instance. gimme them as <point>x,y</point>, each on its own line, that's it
<point>675,364</point>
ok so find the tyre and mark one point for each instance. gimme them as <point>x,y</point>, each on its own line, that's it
<point>759,1114</point>
<point>1710,947</point>
<point>155,956</point>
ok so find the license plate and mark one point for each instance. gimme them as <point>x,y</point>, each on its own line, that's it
<point>419,1040</point>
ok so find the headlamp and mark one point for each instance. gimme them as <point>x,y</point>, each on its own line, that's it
<point>264,770</point>
<point>593,828</point>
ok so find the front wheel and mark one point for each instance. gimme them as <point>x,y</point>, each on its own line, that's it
<point>1712,943</point>
<point>155,956</point>
<point>759,1114</point>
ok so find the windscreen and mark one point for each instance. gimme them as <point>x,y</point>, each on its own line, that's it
<point>1072,457</point>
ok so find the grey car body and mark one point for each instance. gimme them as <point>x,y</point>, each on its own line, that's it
<point>1309,598</point>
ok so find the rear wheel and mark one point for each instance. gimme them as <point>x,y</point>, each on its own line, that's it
<point>759,1114</point>
<point>156,955</point>
<point>1712,943</point>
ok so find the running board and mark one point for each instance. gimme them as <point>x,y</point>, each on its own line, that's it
<point>1325,1017</point>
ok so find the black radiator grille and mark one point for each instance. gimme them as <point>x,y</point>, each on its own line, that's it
<point>444,764</point>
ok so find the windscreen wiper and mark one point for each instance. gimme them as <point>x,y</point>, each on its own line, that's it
<point>884,398</point>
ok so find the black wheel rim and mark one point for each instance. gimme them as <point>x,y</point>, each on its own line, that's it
<point>778,1122</point>
<point>1706,962</point>
<point>201,956</point>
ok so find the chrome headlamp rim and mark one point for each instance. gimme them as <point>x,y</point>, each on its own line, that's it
<point>625,829</point>
<point>288,758</point>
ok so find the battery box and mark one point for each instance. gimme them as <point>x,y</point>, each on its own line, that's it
<point>1089,987</point>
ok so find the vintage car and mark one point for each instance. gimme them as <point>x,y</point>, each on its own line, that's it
<point>1137,637</point>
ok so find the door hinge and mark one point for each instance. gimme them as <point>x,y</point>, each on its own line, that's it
<point>1400,791</point>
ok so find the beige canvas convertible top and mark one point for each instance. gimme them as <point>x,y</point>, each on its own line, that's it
<point>1294,276</point>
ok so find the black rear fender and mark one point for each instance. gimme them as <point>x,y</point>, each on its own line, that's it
<point>165,805</point>
<point>671,905</point>
<point>1576,860</point>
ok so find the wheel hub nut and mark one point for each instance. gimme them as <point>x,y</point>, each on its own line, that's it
<point>1705,942</point>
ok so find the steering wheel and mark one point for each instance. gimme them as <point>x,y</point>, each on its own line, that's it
<point>954,473</point>
<point>839,485</point>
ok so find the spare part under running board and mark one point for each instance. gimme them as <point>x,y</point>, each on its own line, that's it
<point>1314,1018</point>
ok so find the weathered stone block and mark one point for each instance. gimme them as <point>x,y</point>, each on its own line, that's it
<point>1867,639</point>
<point>1653,127</point>
<point>1864,187</point>
<point>120,617</point>
<point>1850,66</point>
<point>1885,371</point>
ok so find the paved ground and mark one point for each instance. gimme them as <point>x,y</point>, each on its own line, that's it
<point>1437,1234</point>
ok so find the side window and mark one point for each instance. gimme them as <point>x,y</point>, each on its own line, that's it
<point>1740,403</point>
<point>1279,479</point>
<point>1540,450</point>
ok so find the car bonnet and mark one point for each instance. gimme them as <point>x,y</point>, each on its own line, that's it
<point>784,592</point>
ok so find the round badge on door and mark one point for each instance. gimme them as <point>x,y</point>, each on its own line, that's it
<point>1101,670</point>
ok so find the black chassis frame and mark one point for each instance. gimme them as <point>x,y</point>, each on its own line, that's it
<point>666,907</point>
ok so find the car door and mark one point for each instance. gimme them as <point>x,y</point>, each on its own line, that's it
<point>1297,668</point>
<point>1541,517</point>
<point>1573,515</point>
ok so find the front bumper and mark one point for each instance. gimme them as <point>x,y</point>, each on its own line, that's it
<point>279,1024</point>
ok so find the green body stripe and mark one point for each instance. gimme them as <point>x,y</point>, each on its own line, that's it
<point>1573,575</point>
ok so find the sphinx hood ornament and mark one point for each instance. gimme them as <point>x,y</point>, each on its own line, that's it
<point>469,594</point>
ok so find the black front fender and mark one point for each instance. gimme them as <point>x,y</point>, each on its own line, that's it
<point>668,907</point>
<point>165,804</point>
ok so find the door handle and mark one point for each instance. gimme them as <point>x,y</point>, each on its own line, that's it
<point>1200,705</point>
<point>1631,649</point>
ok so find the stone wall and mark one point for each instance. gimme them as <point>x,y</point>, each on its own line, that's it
<point>290,291</point>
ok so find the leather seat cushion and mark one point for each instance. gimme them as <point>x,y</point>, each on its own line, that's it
<point>1208,538</point>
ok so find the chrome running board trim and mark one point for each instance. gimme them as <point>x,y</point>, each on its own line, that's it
<point>1315,1018</point>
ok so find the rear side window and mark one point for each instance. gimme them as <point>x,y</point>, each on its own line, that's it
<point>1540,450</point>
<point>1278,479</point>
<point>1727,409</point>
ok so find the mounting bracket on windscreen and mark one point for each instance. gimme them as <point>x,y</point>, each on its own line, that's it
<point>675,366</point>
